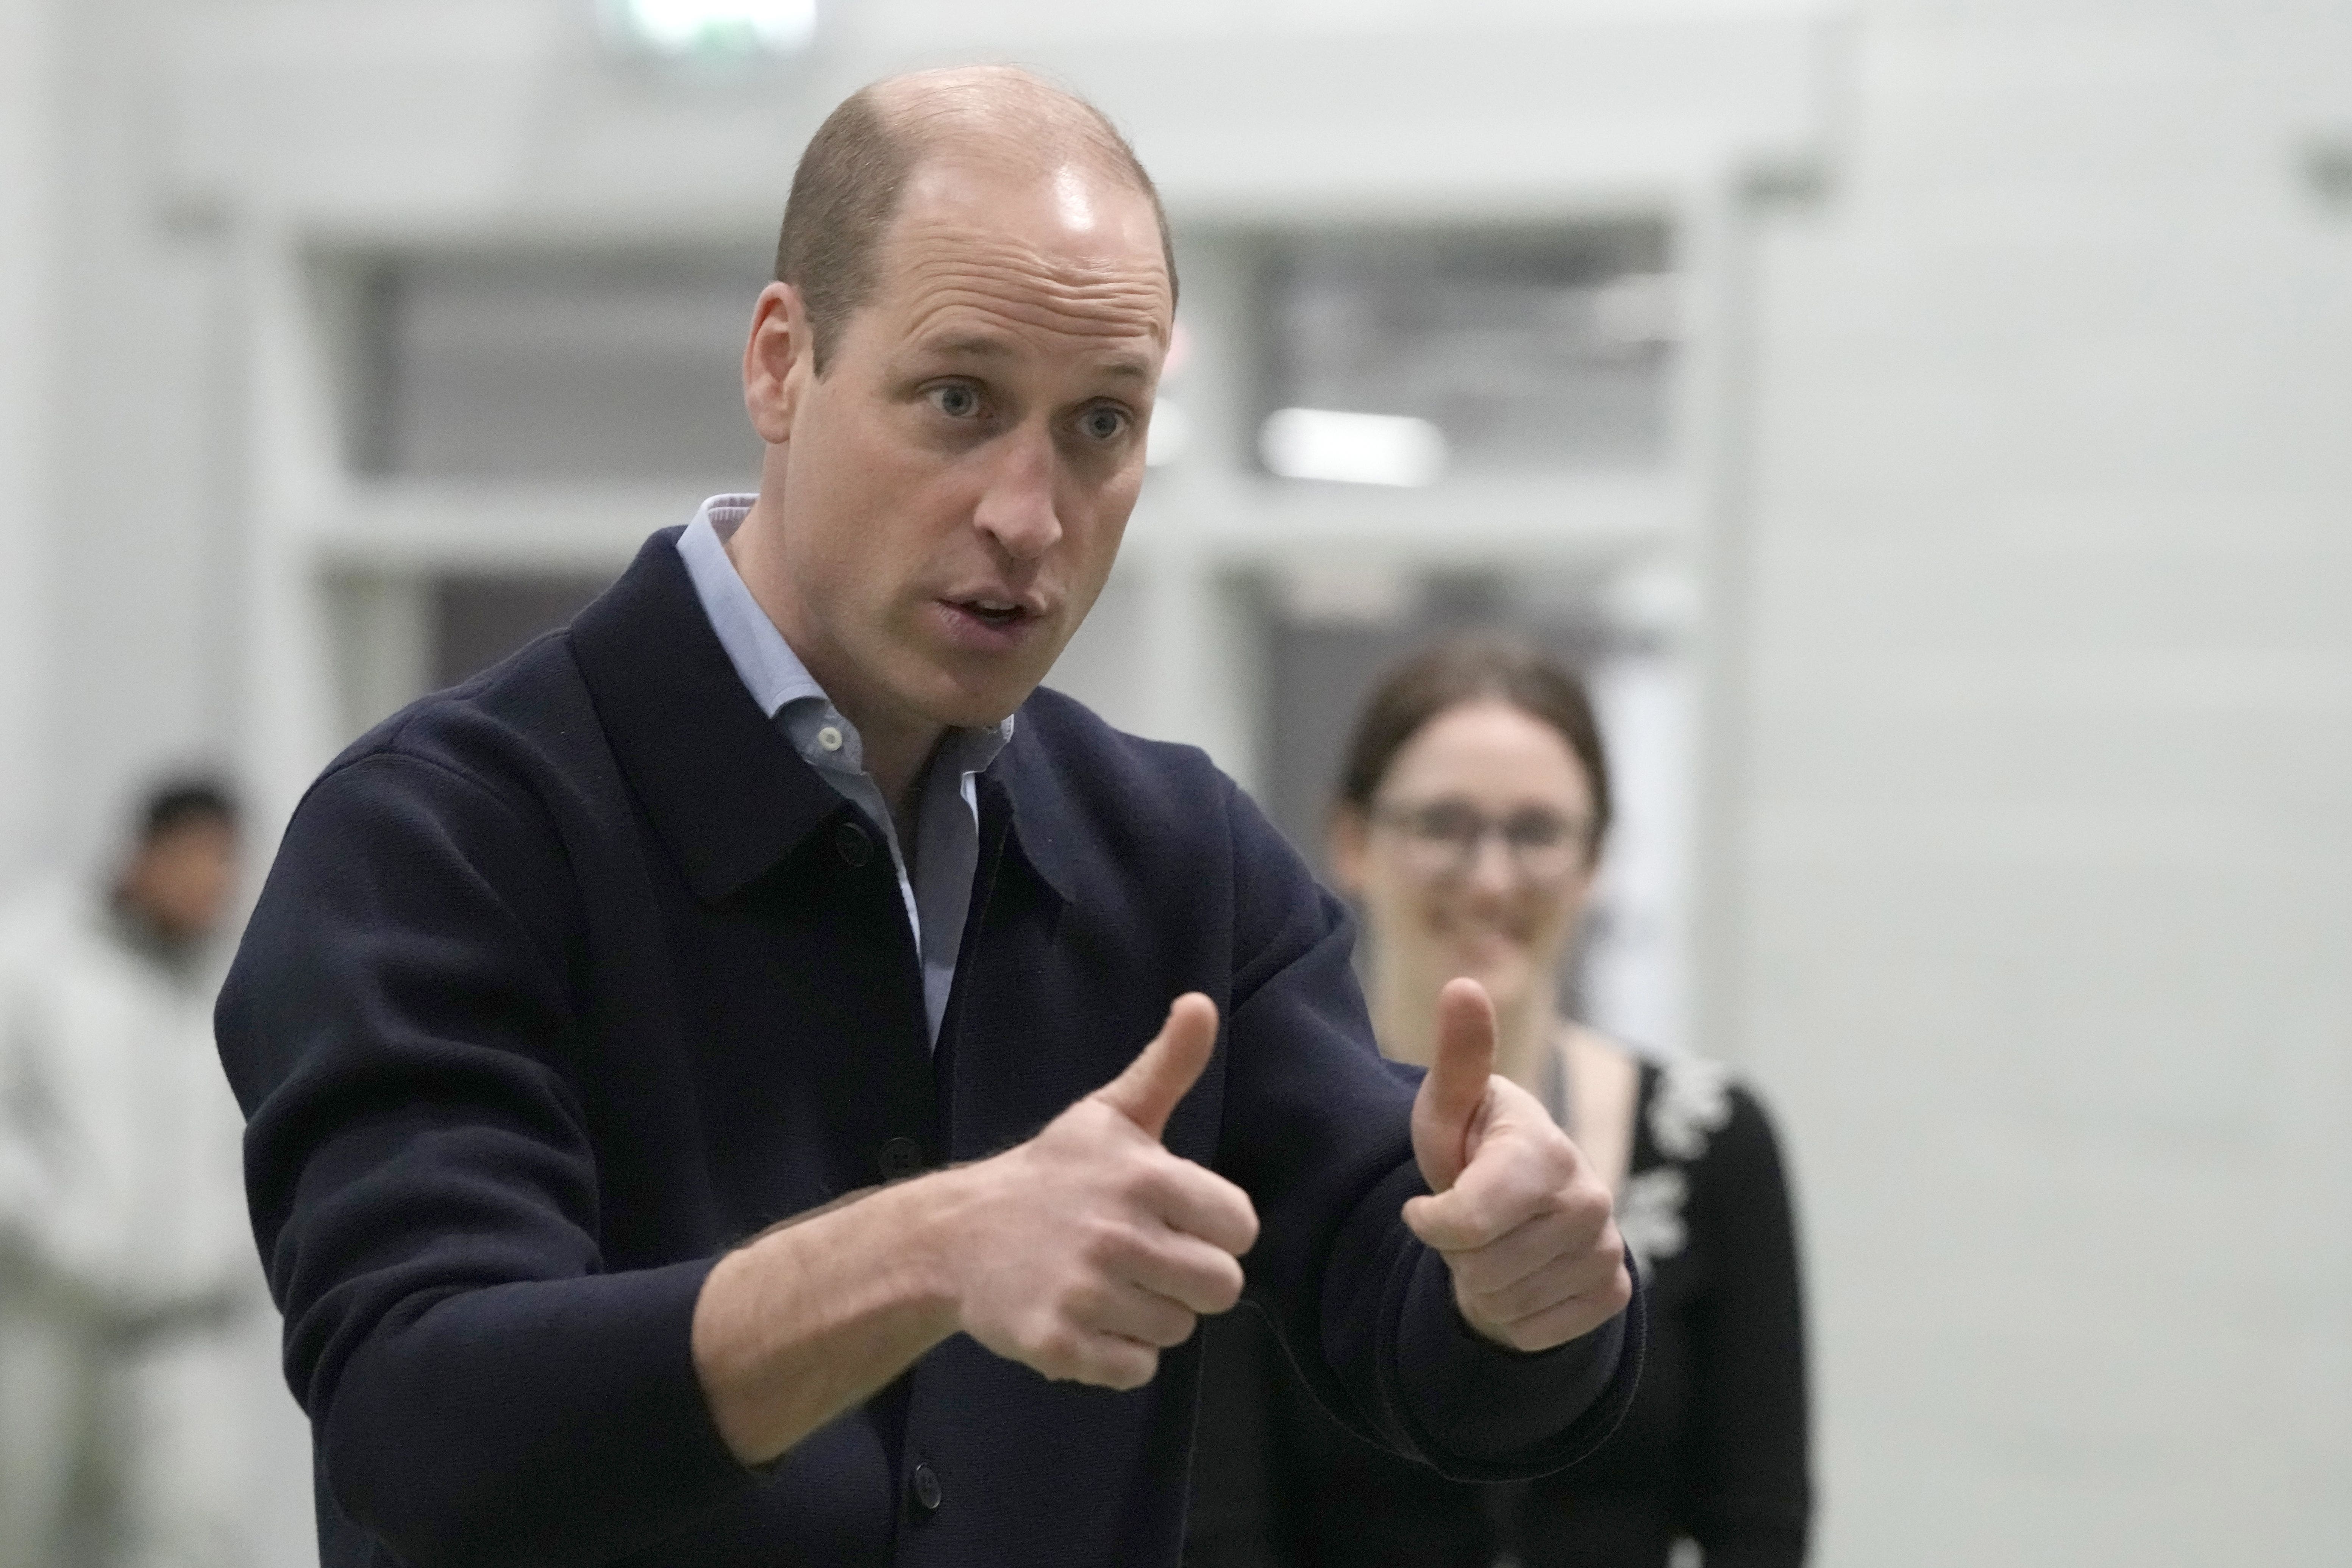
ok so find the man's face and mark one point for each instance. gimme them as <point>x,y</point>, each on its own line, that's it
<point>955,486</point>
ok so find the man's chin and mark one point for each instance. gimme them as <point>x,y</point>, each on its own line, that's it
<point>974,705</point>
<point>966,687</point>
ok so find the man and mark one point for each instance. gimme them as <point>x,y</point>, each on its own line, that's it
<point>770,878</point>
<point>137,1423</point>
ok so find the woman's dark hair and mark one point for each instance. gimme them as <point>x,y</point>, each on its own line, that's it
<point>1466,670</point>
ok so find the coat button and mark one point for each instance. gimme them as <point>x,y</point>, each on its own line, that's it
<point>899,1157</point>
<point>923,1485</point>
<point>849,842</point>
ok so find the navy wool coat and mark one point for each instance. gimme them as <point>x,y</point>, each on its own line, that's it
<point>567,980</point>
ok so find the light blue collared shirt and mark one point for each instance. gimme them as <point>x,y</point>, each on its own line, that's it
<point>937,891</point>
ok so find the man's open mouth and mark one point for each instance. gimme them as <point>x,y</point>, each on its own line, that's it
<point>995,612</point>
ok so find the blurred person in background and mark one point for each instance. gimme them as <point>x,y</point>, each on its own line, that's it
<point>135,1335</point>
<point>1473,804</point>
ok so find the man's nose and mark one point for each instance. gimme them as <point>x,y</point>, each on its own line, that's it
<point>1016,510</point>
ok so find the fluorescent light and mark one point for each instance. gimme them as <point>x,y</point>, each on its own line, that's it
<point>719,27</point>
<point>1353,448</point>
<point>1343,588</point>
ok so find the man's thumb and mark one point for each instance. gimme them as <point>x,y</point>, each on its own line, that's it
<point>1445,1111</point>
<point>1161,1075</point>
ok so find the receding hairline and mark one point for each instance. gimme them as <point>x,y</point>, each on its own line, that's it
<point>999,108</point>
<point>1010,118</point>
<point>853,181</point>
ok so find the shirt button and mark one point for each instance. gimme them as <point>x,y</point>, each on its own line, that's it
<point>849,842</point>
<point>924,1486</point>
<point>899,1157</point>
<point>829,738</point>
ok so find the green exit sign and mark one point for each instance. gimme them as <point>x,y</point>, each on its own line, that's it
<point>716,28</point>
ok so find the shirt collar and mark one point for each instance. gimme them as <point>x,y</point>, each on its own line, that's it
<point>773,674</point>
<point>695,748</point>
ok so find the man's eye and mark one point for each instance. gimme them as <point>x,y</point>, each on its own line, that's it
<point>955,400</point>
<point>1103,423</point>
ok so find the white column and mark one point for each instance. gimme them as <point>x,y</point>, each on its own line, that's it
<point>28,163</point>
<point>1203,667</point>
<point>26,241</point>
<point>292,722</point>
<point>381,623</point>
<point>1714,416</point>
<point>1202,661</point>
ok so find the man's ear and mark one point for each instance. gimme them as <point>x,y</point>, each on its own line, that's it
<point>1346,841</point>
<point>778,359</point>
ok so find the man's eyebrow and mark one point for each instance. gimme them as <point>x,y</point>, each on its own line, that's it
<point>1129,367</point>
<point>967,345</point>
<point>980,345</point>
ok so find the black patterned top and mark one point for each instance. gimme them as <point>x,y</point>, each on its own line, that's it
<point>1712,1450</point>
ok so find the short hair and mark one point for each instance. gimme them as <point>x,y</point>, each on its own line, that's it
<point>181,802</point>
<point>854,171</point>
<point>1469,668</point>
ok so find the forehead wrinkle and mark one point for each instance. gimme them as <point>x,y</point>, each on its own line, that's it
<point>1106,298</point>
<point>985,326</point>
<point>1118,307</point>
<point>965,342</point>
<point>1034,272</point>
<point>932,247</point>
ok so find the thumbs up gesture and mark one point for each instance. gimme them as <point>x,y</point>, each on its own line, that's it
<point>1087,1250</point>
<point>1516,1213</point>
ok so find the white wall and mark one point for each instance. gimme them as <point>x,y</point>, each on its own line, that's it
<point>119,573</point>
<point>2047,917</point>
<point>26,178</point>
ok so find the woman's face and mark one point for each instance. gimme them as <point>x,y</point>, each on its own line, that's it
<point>1475,857</point>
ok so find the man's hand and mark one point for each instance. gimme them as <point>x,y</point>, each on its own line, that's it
<point>1090,1248</point>
<point>1083,1253</point>
<point>1516,1213</point>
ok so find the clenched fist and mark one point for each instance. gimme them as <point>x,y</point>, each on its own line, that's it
<point>1519,1216</point>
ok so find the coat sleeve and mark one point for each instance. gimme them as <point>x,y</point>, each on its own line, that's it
<point>61,1220</point>
<point>399,1029</point>
<point>1237,1509</point>
<point>1316,1132</point>
<point>1750,1497</point>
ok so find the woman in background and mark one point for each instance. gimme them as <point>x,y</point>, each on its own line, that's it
<point>1473,804</point>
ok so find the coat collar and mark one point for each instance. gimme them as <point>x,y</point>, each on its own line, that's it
<point>726,793</point>
<point>1039,817</point>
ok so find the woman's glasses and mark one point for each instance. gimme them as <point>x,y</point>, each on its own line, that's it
<point>1442,840</point>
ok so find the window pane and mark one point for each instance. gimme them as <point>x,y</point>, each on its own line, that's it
<point>545,366</point>
<point>1523,349</point>
<point>477,620</point>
